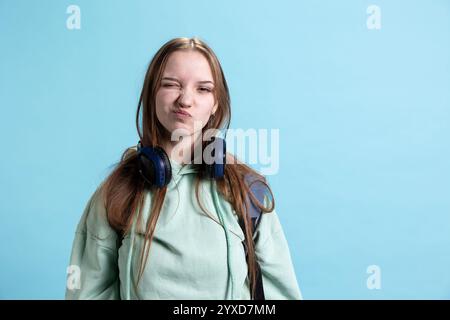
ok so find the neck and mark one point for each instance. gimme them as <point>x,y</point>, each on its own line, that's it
<point>180,151</point>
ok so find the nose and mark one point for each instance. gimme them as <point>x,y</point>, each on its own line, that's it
<point>186,98</point>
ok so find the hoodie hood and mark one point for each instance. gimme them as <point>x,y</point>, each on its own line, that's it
<point>179,169</point>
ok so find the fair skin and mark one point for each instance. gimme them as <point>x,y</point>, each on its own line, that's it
<point>187,85</point>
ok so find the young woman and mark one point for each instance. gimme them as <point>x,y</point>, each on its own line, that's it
<point>164,225</point>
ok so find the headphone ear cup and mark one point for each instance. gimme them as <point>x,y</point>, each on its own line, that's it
<point>146,168</point>
<point>166,165</point>
<point>216,170</point>
<point>154,166</point>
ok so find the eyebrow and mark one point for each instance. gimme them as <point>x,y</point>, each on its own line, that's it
<point>175,79</point>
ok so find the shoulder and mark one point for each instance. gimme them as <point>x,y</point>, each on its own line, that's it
<point>94,220</point>
<point>269,228</point>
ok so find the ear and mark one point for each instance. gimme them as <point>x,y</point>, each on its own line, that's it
<point>214,109</point>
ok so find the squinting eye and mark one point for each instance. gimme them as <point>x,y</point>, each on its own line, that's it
<point>205,89</point>
<point>168,85</point>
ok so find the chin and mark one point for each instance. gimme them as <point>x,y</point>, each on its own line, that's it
<point>181,130</point>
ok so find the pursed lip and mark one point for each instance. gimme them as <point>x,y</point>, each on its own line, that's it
<point>182,112</point>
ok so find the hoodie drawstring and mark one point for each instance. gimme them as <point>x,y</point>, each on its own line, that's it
<point>215,197</point>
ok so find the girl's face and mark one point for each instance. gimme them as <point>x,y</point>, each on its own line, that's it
<point>187,86</point>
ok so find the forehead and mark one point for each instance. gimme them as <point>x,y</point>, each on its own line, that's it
<point>188,65</point>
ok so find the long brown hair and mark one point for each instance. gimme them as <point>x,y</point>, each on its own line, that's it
<point>124,189</point>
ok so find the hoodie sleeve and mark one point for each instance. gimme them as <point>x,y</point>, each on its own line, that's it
<point>93,271</point>
<point>272,251</point>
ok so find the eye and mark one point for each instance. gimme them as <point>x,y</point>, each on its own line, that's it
<point>169,85</point>
<point>205,89</point>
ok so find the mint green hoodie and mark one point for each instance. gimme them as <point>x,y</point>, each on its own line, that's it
<point>192,256</point>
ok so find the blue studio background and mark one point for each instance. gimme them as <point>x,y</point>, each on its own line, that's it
<point>363,114</point>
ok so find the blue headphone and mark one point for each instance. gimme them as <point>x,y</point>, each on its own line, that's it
<point>155,168</point>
